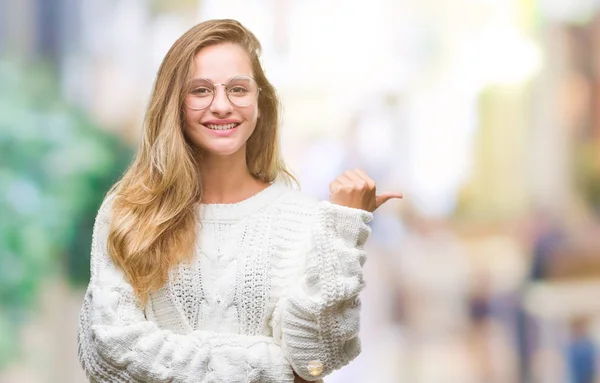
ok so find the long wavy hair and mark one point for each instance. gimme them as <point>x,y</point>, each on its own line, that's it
<point>154,215</point>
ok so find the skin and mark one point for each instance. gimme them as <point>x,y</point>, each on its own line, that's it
<point>356,189</point>
<point>225,174</point>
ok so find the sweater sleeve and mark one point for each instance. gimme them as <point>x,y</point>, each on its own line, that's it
<point>318,322</point>
<point>118,344</point>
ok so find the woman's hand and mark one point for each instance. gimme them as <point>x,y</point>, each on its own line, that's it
<point>356,189</point>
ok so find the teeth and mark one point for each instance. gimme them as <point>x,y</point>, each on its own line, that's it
<point>222,127</point>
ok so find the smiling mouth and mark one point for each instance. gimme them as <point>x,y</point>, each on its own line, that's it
<point>222,126</point>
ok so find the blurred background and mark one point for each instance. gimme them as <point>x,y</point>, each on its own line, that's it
<point>484,113</point>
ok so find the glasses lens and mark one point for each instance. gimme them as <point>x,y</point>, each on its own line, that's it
<point>242,90</point>
<point>200,94</point>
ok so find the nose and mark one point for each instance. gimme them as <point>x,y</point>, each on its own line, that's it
<point>221,104</point>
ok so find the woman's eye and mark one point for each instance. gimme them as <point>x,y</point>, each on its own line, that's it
<point>201,91</point>
<point>238,90</point>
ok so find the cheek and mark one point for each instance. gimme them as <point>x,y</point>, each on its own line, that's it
<point>192,116</point>
<point>253,114</point>
<point>191,119</point>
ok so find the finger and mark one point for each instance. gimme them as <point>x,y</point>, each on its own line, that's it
<point>346,180</point>
<point>361,173</point>
<point>384,197</point>
<point>357,180</point>
<point>354,178</point>
<point>335,186</point>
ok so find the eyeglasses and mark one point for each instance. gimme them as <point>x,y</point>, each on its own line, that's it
<point>240,90</point>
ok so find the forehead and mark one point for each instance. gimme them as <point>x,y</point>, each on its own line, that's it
<point>219,63</point>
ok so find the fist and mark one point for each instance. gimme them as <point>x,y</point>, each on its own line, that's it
<point>356,189</point>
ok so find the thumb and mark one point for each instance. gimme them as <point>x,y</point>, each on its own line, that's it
<point>384,197</point>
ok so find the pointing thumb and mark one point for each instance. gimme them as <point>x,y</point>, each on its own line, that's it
<point>384,197</point>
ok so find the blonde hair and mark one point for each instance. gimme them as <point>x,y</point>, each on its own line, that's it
<point>154,220</point>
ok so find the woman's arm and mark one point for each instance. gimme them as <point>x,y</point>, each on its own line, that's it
<point>318,323</point>
<point>118,344</point>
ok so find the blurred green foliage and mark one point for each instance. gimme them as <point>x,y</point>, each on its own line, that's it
<point>55,167</point>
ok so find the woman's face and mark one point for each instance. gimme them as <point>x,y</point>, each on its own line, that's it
<point>222,128</point>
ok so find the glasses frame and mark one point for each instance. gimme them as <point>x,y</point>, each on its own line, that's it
<point>214,91</point>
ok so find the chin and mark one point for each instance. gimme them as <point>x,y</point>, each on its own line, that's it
<point>221,150</point>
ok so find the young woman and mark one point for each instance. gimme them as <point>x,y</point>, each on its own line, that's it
<point>206,265</point>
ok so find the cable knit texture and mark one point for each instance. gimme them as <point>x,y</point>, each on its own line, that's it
<point>273,286</point>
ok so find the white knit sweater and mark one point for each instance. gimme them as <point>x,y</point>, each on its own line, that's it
<point>273,285</point>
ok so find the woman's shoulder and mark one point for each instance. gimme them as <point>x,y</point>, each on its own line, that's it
<point>104,215</point>
<point>105,208</point>
<point>296,207</point>
<point>294,196</point>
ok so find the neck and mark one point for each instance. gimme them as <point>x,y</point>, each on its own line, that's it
<point>226,179</point>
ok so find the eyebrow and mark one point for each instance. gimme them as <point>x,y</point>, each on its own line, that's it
<point>212,81</point>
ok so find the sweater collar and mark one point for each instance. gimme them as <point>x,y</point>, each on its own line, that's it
<point>239,210</point>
